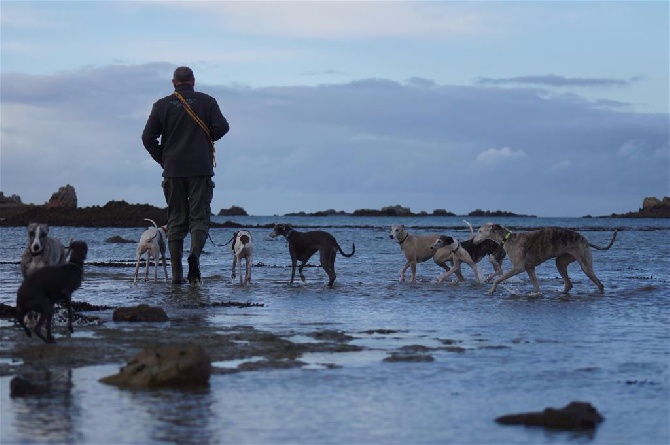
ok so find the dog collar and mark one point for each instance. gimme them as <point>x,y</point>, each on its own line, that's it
<point>406,236</point>
<point>458,246</point>
<point>75,265</point>
<point>506,237</point>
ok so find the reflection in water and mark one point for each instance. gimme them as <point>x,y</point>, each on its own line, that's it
<point>49,410</point>
<point>180,416</point>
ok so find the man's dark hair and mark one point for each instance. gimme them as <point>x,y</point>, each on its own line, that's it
<point>183,74</point>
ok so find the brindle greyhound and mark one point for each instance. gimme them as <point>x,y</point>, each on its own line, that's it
<point>47,285</point>
<point>302,245</point>
<point>530,249</point>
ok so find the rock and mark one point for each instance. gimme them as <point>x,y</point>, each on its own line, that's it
<point>165,366</point>
<point>233,211</point>
<point>13,199</point>
<point>116,239</point>
<point>574,416</point>
<point>65,197</point>
<point>141,312</point>
<point>20,387</point>
<point>649,202</point>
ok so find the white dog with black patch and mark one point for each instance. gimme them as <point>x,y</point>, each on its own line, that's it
<point>153,241</point>
<point>242,248</point>
<point>42,250</point>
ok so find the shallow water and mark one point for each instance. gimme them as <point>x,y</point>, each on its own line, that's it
<point>512,352</point>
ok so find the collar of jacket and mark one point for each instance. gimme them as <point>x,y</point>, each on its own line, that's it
<point>183,87</point>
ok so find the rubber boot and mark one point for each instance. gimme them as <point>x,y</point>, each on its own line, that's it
<point>176,250</point>
<point>198,239</point>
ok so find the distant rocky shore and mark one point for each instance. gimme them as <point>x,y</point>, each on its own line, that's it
<point>62,210</point>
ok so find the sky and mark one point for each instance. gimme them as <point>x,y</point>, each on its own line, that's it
<point>540,108</point>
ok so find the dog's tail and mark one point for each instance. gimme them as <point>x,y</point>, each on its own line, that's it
<point>609,245</point>
<point>472,231</point>
<point>353,250</point>
<point>152,222</point>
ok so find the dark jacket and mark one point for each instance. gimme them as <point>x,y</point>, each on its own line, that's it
<point>183,149</point>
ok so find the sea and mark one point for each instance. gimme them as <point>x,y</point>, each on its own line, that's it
<point>517,351</point>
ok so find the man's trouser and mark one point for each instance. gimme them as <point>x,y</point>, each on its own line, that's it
<point>189,209</point>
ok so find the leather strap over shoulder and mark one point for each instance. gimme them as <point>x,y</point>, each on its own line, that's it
<point>199,121</point>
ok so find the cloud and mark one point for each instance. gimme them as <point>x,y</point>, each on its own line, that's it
<point>560,166</point>
<point>345,20</point>
<point>552,80</point>
<point>492,155</point>
<point>363,144</point>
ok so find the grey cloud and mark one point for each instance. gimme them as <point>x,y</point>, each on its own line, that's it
<point>552,80</point>
<point>363,144</point>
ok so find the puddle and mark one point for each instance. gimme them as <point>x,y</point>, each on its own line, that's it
<point>233,364</point>
<point>324,360</point>
<point>10,361</point>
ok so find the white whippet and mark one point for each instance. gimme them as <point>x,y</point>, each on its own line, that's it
<point>242,248</point>
<point>153,242</point>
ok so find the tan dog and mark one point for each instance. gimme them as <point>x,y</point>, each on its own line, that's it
<point>530,249</point>
<point>242,249</point>
<point>417,249</point>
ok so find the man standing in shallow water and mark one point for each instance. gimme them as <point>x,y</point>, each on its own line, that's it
<point>187,123</point>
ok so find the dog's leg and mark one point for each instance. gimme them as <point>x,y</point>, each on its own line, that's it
<point>247,279</point>
<point>50,337</point>
<point>533,278</point>
<point>497,270</point>
<point>475,269</point>
<point>232,272</point>
<point>68,304</point>
<point>586,263</point>
<point>137,268</point>
<point>45,318</point>
<point>302,276</point>
<point>239,271</point>
<point>403,270</point>
<point>446,274</point>
<point>20,315</point>
<point>294,263</point>
<point>412,277</point>
<point>328,264</point>
<point>562,263</point>
<point>155,257</point>
<point>146,264</point>
<point>499,280</point>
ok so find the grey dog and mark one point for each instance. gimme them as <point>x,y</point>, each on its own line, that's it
<point>302,245</point>
<point>48,285</point>
<point>42,250</point>
<point>528,250</point>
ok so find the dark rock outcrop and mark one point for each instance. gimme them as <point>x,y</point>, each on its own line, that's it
<point>165,366</point>
<point>233,211</point>
<point>651,208</point>
<point>140,313</point>
<point>574,416</point>
<point>65,197</point>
